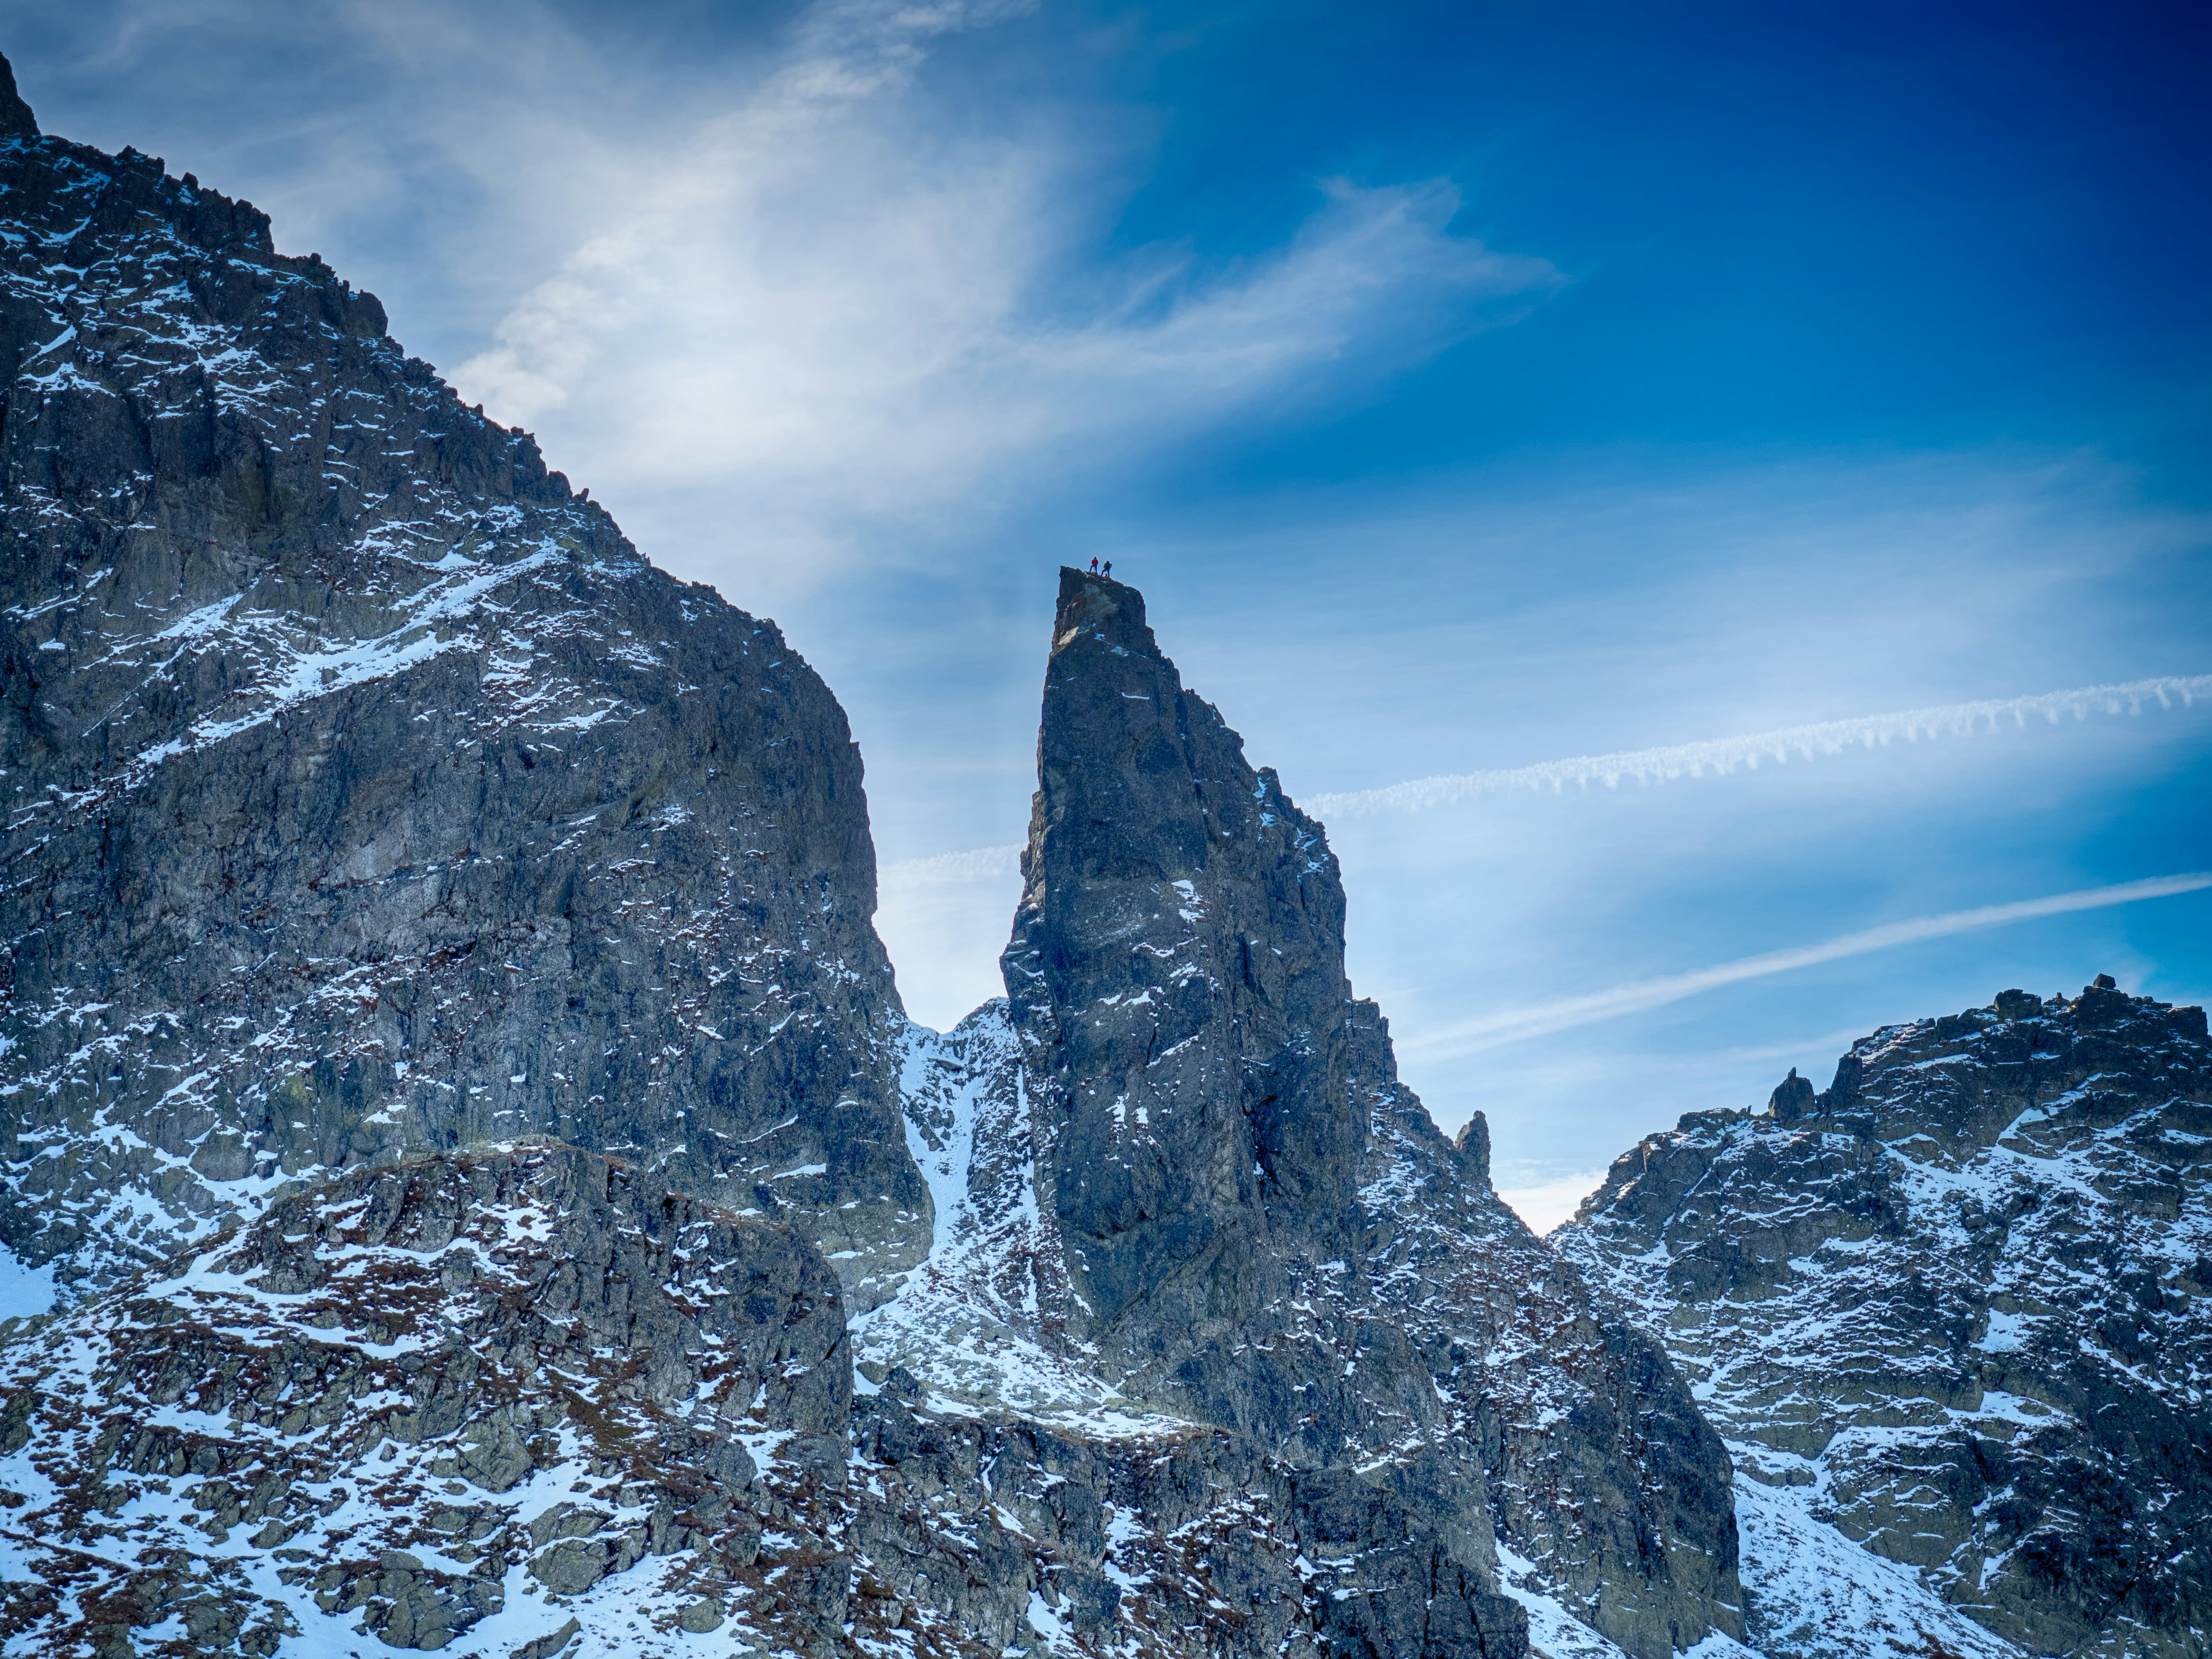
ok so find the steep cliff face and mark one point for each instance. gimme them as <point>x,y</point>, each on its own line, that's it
<point>1176,975</point>
<point>366,791</point>
<point>1951,1314</point>
<point>1183,1186</point>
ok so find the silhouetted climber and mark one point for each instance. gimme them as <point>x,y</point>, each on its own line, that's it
<point>1109,570</point>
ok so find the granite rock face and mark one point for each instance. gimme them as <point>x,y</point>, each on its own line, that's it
<point>1951,1314</point>
<point>431,1402</point>
<point>1180,1183</point>
<point>365,791</point>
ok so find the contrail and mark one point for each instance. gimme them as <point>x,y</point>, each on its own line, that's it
<point>1719,755</point>
<point>952,869</point>
<point>1537,1019</point>
<point>1723,754</point>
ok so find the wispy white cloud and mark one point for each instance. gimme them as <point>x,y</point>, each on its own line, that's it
<point>775,291</point>
<point>826,304</point>
<point>950,869</point>
<point>1539,1019</point>
<point>822,305</point>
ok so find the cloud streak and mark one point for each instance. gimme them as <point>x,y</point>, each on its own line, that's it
<point>949,869</point>
<point>1717,756</point>
<point>1722,756</point>
<point>1539,1019</point>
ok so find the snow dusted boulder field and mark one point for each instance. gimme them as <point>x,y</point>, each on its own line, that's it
<point>471,1399</point>
<point>1954,1316</point>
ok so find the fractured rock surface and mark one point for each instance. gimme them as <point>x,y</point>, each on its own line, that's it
<point>1196,1191</point>
<point>502,1209</point>
<point>433,1399</point>
<point>1955,1309</point>
<point>490,1402</point>
<point>365,791</point>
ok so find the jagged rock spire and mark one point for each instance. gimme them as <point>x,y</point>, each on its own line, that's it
<point>1177,972</point>
<point>17,120</point>
<point>1260,1227</point>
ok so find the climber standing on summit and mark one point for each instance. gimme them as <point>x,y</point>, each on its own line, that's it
<point>1094,566</point>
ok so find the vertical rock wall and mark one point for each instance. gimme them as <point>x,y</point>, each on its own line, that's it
<point>1256,1225</point>
<point>366,790</point>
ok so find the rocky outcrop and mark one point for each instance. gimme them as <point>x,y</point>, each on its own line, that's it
<point>1183,1186</point>
<point>367,792</point>
<point>501,1402</point>
<point>447,1399</point>
<point>1951,1315</point>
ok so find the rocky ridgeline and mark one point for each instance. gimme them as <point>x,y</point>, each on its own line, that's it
<point>365,791</point>
<point>1954,1309</point>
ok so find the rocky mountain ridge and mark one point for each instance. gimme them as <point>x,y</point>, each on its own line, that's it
<point>1952,1309</point>
<point>438,960</point>
<point>368,791</point>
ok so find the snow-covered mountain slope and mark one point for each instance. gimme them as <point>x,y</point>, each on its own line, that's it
<point>365,790</point>
<point>528,1401</point>
<point>1952,1315</point>
<point>456,1403</point>
<point>968,1323</point>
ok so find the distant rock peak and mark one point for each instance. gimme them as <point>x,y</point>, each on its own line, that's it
<point>1876,1090</point>
<point>1953,1308</point>
<point>17,120</point>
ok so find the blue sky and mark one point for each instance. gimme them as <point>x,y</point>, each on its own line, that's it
<point>1467,387</point>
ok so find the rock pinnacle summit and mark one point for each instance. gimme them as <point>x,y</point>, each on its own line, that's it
<point>1241,1218</point>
